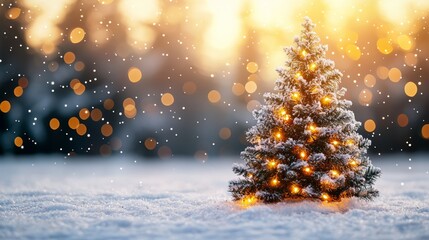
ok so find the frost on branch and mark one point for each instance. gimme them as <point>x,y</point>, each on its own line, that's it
<point>305,143</point>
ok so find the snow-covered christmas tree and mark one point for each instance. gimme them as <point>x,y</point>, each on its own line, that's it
<point>305,143</point>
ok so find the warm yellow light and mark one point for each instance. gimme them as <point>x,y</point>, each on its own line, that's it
<point>296,96</point>
<point>312,67</point>
<point>134,74</point>
<point>274,182</point>
<point>248,200</point>
<point>312,127</point>
<point>325,196</point>
<point>272,163</point>
<point>77,35</point>
<point>304,53</point>
<point>353,163</point>
<point>298,75</point>
<point>307,170</point>
<point>326,100</point>
<point>250,176</point>
<point>350,142</point>
<point>335,142</point>
<point>295,189</point>
<point>302,154</point>
<point>167,99</point>
<point>334,173</point>
<point>284,115</point>
<point>278,135</point>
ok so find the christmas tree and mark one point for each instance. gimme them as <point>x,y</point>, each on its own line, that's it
<point>305,143</point>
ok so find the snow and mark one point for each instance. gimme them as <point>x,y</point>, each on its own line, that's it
<point>51,197</point>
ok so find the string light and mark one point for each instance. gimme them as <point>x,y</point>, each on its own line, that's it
<point>274,182</point>
<point>298,75</point>
<point>296,96</point>
<point>278,135</point>
<point>325,196</point>
<point>335,142</point>
<point>248,200</point>
<point>303,155</point>
<point>326,100</point>
<point>304,53</point>
<point>353,163</point>
<point>350,142</point>
<point>284,114</point>
<point>295,189</point>
<point>334,173</point>
<point>307,170</point>
<point>272,163</point>
<point>312,127</point>
<point>250,176</point>
<point>312,67</point>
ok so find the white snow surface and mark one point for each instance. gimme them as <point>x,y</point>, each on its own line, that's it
<point>117,198</point>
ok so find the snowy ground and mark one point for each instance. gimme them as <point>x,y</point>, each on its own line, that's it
<point>115,199</point>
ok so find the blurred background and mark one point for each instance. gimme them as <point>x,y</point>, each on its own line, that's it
<point>165,78</point>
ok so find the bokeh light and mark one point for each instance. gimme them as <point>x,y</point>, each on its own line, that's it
<point>402,120</point>
<point>410,89</point>
<point>96,114</point>
<point>84,113</point>
<point>150,143</point>
<point>214,96</point>
<point>69,57</point>
<point>425,131</point>
<point>134,74</point>
<point>106,130</point>
<point>54,123</point>
<point>77,35</point>
<point>167,99</point>
<point>18,142</point>
<point>369,125</point>
<point>73,122</point>
<point>5,106</point>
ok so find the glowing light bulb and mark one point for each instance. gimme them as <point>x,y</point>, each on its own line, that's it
<point>274,182</point>
<point>272,163</point>
<point>353,163</point>
<point>312,67</point>
<point>350,142</point>
<point>295,189</point>
<point>278,135</point>
<point>335,142</point>
<point>326,100</point>
<point>334,173</point>
<point>304,53</point>
<point>325,196</point>
<point>250,176</point>
<point>296,96</point>
<point>283,114</point>
<point>303,154</point>
<point>312,127</point>
<point>248,200</point>
<point>307,170</point>
<point>298,75</point>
